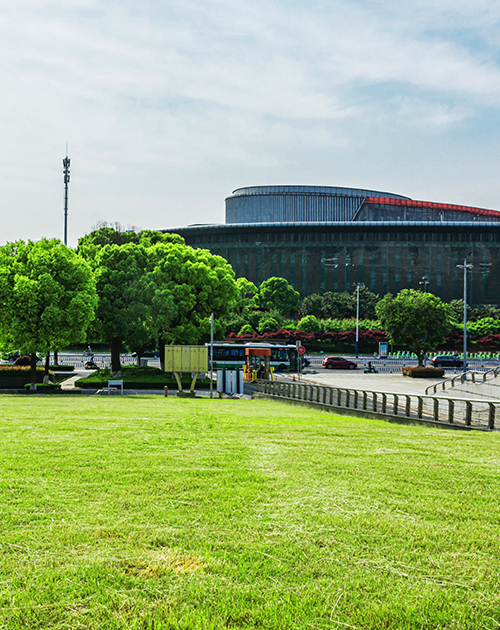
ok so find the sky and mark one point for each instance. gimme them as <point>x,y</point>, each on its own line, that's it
<point>167,106</point>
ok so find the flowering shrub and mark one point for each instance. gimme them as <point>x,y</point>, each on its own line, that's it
<point>489,341</point>
<point>422,372</point>
<point>368,339</point>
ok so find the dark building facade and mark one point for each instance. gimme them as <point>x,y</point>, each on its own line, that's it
<point>327,239</point>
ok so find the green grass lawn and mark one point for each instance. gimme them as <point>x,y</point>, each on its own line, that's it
<point>147,512</point>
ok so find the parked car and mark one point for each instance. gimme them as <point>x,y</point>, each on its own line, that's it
<point>447,360</point>
<point>305,361</point>
<point>339,362</point>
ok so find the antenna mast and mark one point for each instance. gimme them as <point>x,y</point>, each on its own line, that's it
<point>66,163</point>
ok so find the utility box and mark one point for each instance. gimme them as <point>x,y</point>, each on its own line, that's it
<point>186,359</point>
<point>230,381</point>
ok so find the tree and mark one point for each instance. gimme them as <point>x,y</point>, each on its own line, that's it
<point>47,297</point>
<point>121,305</point>
<point>338,305</point>
<point>184,287</point>
<point>367,303</point>
<point>90,245</point>
<point>268,324</point>
<point>277,293</point>
<point>414,319</point>
<point>312,305</point>
<point>309,323</point>
<point>457,311</point>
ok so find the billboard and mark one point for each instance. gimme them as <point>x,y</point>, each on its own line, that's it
<point>186,359</point>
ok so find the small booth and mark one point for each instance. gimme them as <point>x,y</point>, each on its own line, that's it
<point>257,362</point>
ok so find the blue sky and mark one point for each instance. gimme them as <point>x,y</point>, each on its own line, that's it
<point>169,106</point>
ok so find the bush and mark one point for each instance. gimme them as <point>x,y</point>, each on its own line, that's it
<point>269,324</point>
<point>309,323</point>
<point>422,372</point>
<point>45,386</point>
<point>246,330</point>
<point>62,368</point>
<point>483,327</point>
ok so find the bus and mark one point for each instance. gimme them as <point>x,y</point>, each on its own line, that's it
<point>284,358</point>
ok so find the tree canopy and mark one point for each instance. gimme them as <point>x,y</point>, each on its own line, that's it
<point>47,297</point>
<point>157,288</point>
<point>185,286</point>
<point>278,293</point>
<point>414,319</point>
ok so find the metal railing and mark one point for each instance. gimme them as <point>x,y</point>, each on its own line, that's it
<point>102,360</point>
<point>479,414</point>
<point>471,376</point>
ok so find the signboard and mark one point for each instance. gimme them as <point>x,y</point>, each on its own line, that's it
<point>186,359</point>
<point>383,350</point>
<point>301,349</point>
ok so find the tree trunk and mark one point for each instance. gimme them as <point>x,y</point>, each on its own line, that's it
<point>56,357</point>
<point>161,348</point>
<point>33,371</point>
<point>115,347</point>
<point>46,371</point>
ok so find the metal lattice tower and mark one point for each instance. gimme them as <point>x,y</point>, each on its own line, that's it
<point>66,163</point>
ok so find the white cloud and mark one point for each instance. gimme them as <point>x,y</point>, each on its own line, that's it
<point>226,89</point>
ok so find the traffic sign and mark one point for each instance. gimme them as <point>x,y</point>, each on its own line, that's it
<point>301,349</point>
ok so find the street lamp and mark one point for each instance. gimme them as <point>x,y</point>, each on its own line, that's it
<point>425,283</point>
<point>211,353</point>
<point>358,286</point>
<point>465,267</point>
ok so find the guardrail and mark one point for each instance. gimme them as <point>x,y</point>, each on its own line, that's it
<point>472,377</point>
<point>459,412</point>
<point>102,360</point>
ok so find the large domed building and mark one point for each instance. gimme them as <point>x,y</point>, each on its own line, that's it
<point>323,238</point>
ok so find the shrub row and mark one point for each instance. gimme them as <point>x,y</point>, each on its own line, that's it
<point>367,338</point>
<point>422,372</point>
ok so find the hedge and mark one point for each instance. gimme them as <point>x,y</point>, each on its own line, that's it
<point>422,372</point>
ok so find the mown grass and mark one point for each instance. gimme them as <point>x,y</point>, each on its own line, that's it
<point>146,512</point>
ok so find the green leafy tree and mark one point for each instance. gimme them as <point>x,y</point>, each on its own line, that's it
<point>367,303</point>
<point>338,305</point>
<point>246,296</point>
<point>486,310</point>
<point>90,244</point>
<point>123,302</point>
<point>246,330</point>
<point>47,297</point>
<point>277,293</point>
<point>457,311</point>
<point>309,323</point>
<point>483,327</point>
<point>185,286</point>
<point>268,324</point>
<point>414,319</point>
<point>312,305</point>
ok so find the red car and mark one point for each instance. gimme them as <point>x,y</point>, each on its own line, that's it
<point>339,362</point>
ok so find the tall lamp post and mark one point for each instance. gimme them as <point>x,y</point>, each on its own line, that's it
<point>465,267</point>
<point>211,353</point>
<point>358,286</point>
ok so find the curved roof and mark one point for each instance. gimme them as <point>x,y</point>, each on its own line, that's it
<point>410,203</point>
<point>335,191</point>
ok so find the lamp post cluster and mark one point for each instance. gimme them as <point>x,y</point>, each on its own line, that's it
<point>466,267</point>
<point>358,286</point>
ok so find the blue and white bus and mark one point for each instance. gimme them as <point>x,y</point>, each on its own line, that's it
<point>284,357</point>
